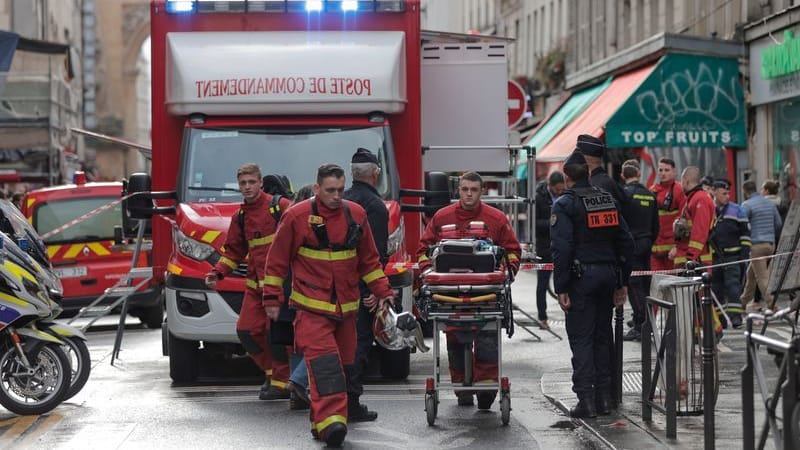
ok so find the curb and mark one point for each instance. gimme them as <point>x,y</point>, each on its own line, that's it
<point>560,405</point>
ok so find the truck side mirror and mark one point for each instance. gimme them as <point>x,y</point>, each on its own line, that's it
<point>438,191</point>
<point>140,206</point>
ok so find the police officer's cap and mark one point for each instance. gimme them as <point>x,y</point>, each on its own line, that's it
<point>590,145</point>
<point>724,184</point>
<point>575,158</point>
<point>363,155</point>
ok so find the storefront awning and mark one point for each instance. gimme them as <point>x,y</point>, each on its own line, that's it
<point>573,106</point>
<point>594,117</point>
<point>687,100</point>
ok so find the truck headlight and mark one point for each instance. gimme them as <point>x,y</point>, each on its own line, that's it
<point>190,247</point>
<point>395,239</point>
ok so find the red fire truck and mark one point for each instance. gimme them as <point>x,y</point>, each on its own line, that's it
<point>289,85</point>
<point>85,256</point>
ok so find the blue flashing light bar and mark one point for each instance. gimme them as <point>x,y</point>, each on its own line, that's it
<point>313,5</point>
<point>281,6</point>
<point>181,6</point>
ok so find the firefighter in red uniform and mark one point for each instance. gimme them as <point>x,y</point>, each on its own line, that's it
<point>671,200</point>
<point>250,234</point>
<point>694,223</point>
<point>327,243</point>
<point>462,216</point>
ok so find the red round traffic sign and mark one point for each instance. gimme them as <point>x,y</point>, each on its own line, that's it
<point>517,104</point>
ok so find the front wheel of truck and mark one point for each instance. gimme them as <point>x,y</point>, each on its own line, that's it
<point>183,359</point>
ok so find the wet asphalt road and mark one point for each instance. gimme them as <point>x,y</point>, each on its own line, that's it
<point>133,404</point>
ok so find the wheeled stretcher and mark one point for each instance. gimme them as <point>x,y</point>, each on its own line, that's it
<point>468,291</point>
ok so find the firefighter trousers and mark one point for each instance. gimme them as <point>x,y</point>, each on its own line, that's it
<point>484,355</point>
<point>253,331</point>
<point>328,346</point>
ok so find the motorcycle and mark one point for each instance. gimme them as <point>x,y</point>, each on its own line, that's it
<point>35,371</point>
<point>28,241</point>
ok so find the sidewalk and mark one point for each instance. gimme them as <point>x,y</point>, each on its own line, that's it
<point>625,428</point>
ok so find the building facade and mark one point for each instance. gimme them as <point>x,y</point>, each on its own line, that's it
<point>774,62</point>
<point>41,93</point>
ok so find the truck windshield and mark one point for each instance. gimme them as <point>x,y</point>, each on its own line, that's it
<point>53,214</point>
<point>212,156</point>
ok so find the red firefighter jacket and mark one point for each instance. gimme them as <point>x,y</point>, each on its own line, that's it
<point>499,230</point>
<point>325,281</point>
<point>700,213</point>
<point>667,213</point>
<point>251,243</point>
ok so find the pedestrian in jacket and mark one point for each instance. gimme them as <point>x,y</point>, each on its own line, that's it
<point>641,214</point>
<point>366,172</point>
<point>327,243</point>
<point>671,201</point>
<point>249,237</point>
<point>765,225</point>
<point>461,216</point>
<point>546,193</point>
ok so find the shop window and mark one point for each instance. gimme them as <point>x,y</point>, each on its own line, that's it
<point>786,154</point>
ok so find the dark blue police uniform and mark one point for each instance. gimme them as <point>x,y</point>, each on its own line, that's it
<point>592,251</point>
<point>640,211</point>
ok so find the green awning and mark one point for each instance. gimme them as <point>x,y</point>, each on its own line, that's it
<point>687,101</point>
<point>568,111</point>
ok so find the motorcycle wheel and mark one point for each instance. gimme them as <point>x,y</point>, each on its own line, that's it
<point>80,362</point>
<point>41,390</point>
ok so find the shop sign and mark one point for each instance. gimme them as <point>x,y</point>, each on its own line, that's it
<point>687,101</point>
<point>775,67</point>
<point>781,60</point>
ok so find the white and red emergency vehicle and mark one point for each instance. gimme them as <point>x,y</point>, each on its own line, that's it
<point>289,85</point>
<point>85,255</point>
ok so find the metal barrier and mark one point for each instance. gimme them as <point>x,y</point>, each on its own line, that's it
<point>784,393</point>
<point>675,323</point>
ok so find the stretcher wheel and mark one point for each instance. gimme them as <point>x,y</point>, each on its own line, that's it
<point>505,408</point>
<point>430,408</point>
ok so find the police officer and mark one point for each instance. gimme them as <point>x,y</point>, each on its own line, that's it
<point>641,214</point>
<point>366,172</point>
<point>729,242</point>
<point>249,237</point>
<point>592,253</point>
<point>327,242</point>
<point>592,149</point>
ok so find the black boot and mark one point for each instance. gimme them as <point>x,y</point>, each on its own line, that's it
<point>334,434</point>
<point>465,398</point>
<point>360,413</point>
<point>584,409</point>
<point>274,393</point>
<point>485,399</point>
<point>604,404</point>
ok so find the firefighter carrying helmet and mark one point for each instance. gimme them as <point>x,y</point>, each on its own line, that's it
<point>395,331</point>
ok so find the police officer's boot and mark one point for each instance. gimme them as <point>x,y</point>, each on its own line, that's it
<point>604,404</point>
<point>334,434</point>
<point>584,409</point>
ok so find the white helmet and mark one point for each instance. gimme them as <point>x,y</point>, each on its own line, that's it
<point>397,331</point>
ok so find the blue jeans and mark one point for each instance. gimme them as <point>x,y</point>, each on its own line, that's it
<point>299,370</point>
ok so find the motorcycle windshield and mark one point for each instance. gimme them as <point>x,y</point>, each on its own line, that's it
<point>212,156</point>
<point>13,223</point>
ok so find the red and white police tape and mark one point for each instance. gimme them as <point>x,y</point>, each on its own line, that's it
<point>89,214</point>
<point>635,273</point>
